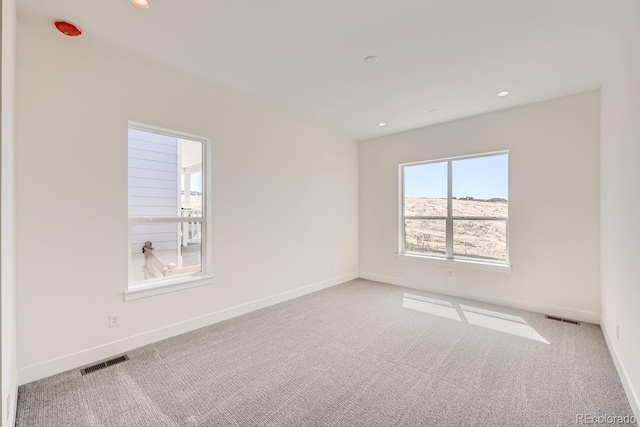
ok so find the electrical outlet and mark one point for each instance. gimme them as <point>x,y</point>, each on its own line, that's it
<point>618,331</point>
<point>114,320</point>
<point>450,273</point>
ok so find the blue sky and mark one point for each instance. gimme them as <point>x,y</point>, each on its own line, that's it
<point>196,182</point>
<point>480,178</point>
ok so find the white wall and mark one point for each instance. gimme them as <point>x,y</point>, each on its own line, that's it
<point>284,197</point>
<point>554,206</point>
<point>620,207</point>
<point>7,215</point>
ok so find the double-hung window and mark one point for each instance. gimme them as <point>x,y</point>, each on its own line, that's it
<point>167,190</point>
<point>456,208</point>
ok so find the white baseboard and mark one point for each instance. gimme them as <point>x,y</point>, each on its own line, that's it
<point>569,313</point>
<point>622,372</point>
<point>9,413</point>
<point>104,351</point>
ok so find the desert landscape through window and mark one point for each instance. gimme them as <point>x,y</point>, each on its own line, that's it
<point>479,210</point>
<point>472,238</point>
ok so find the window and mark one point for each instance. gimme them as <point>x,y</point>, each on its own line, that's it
<point>456,208</point>
<point>167,208</point>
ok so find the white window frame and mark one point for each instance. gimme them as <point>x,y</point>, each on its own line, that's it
<point>147,288</point>
<point>449,256</point>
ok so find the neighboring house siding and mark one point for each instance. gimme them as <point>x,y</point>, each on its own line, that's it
<point>154,185</point>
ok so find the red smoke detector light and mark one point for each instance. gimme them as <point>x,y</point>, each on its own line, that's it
<point>68,29</point>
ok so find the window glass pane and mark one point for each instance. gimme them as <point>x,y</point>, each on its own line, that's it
<point>154,174</point>
<point>165,175</point>
<point>484,239</point>
<point>425,190</point>
<point>191,176</point>
<point>175,250</point>
<point>166,183</point>
<point>425,235</point>
<point>191,199</point>
<point>480,186</point>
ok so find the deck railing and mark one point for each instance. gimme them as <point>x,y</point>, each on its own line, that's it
<point>191,231</point>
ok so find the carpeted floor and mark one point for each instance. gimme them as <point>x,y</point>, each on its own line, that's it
<point>358,354</point>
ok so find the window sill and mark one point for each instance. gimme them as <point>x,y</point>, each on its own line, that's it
<point>462,263</point>
<point>165,286</point>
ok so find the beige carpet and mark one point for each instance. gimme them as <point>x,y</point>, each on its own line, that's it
<point>358,354</point>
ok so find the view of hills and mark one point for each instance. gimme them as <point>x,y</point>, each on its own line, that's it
<point>471,238</point>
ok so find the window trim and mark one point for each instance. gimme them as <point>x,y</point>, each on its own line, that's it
<point>171,284</point>
<point>163,286</point>
<point>470,264</point>
<point>449,257</point>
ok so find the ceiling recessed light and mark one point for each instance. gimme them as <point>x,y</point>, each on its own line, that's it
<point>504,93</point>
<point>382,124</point>
<point>140,4</point>
<point>371,59</point>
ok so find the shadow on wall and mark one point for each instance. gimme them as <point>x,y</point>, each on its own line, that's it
<point>501,322</point>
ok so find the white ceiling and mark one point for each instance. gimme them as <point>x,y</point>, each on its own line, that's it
<point>306,57</point>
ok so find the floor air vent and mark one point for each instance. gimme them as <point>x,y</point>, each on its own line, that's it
<point>560,319</point>
<point>103,365</point>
